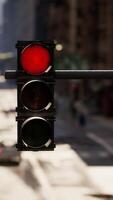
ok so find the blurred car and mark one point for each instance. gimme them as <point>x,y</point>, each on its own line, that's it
<point>9,153</point>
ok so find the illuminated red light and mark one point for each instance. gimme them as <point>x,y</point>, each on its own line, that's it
<point>35,59</point>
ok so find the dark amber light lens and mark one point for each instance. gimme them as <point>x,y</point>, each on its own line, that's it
<point>35,59</point>
<point>36,132</point>
<point>36,95</point>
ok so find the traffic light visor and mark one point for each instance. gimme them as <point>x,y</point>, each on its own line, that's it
<point>35,59</point>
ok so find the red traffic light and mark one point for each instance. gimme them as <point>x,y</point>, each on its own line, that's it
<point>35,95</point>
<point>35,59</point>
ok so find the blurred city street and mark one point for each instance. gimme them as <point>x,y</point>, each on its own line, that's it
<point>36,41</point>
<point>80,166</point>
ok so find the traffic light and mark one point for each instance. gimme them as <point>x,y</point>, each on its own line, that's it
<point>35,95</point>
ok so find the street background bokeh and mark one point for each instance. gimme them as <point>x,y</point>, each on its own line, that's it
<point>83,34</point>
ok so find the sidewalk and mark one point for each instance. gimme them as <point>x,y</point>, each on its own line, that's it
<point>67,174</point>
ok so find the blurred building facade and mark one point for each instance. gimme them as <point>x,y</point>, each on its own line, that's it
<point>105,43</point>
<point>59,23</point>
<point>1,28</point>
<point>9,31</point>
<point>24,20</point>
<point>18,22</point>
<point>42,9</point>
<point>84,27</point>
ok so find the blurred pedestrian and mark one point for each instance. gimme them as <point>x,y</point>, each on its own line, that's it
<point>82,113</point>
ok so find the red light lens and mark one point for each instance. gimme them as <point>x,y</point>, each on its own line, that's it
<point>35,59</point>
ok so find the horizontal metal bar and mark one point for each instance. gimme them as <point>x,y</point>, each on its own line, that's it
<point>83,74</point>
<point>71,74</point>
<point>10,74</point>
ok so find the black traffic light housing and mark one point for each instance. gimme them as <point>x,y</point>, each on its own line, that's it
<point>35,95</point>
<point>31,117</point>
